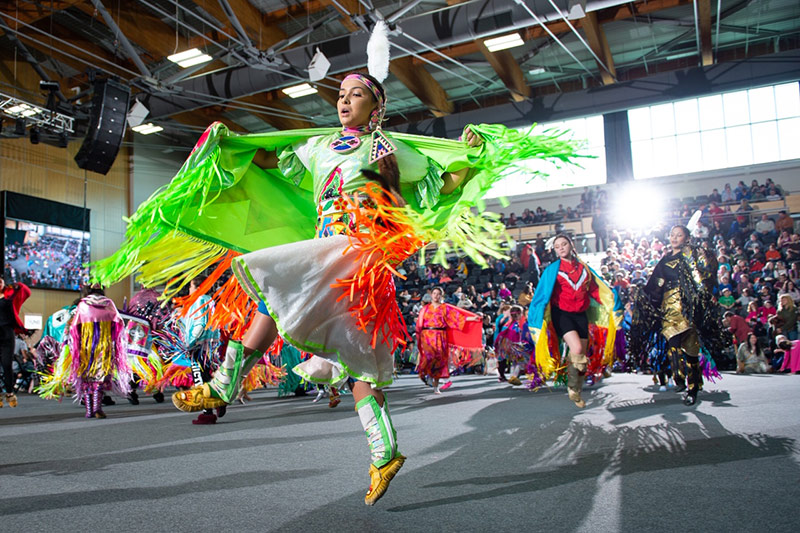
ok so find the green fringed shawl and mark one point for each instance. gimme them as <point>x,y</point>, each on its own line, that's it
<point>219,201</point>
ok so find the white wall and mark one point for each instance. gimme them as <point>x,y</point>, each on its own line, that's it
<point>153,166</point>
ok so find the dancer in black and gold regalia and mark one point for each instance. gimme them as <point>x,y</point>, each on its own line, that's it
<point>677,303</point>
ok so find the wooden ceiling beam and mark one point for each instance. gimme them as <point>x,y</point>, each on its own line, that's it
<point>533,32</point>
<point>351,7</point>
<point>508,70</point>
<point>420,82</point>
<point>596,38</point>
<point>262,31</point>
<point>30,12</point>
<point>202,118</point>
<point>704,24</point>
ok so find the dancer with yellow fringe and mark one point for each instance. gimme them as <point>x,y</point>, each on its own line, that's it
<point>571,301</point>
<point>94,356</point>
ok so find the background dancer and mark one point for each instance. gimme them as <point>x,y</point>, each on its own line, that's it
<point>571,296</point>
<point>434,324</point>
<point>94,356</point>
<point>677,303</point>
<point>11,299</point>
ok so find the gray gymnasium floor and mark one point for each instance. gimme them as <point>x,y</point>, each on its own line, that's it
<point>481,457</point>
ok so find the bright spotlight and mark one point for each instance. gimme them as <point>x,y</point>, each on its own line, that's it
<point>638,207</point>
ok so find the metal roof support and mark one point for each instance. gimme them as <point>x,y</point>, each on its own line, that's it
<point>29,57</point>
<point>296,37</point>
<point>200,19</point>
<point>553,35</point>
<point>434,64</point>
<point>581,39</point>
<point>226,7</point>
<point>126,44</point>
<point>719,18</point>
<point>394,17</point>
<point>697,30</point>
<point>443,56</point>
<point>50,46</point>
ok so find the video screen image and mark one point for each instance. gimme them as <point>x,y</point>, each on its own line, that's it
<point>44,256</point>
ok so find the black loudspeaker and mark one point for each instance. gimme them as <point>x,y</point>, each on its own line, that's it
<point>106,126</point>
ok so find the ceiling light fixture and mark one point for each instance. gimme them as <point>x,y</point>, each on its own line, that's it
<point>296,91</point>
<point>189,58</point>
<point>147,129</point>
<point>503,42</point>
<point>22,110</point>
<point>537,70</point>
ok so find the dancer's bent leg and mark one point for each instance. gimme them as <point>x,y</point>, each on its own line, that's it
<point>373,411</point>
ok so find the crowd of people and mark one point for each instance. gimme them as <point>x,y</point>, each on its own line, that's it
<point>758,275</point>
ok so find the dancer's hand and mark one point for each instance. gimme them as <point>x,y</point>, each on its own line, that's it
<point>472,138</point>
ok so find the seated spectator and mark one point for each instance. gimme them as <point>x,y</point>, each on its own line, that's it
<point>786,355</point>
<point>736,325</point>
<point>527,217</point>
<point>742,192</point>
<point>752,313</point>
<point>728,195</point>
<point>766,311</point>
<point>766,229</point>
<point>526,295</point>
<point>717,230</point>
<point>773,194</point>
<point>772,253</point>
<point>700,231</point>
<point>744,283</point>
<point>512,221</point>
<point>726,300</point>
<point>504,293</point>
<point>715,197</point>
<point>784,223</point>
<point>752,243</point>
<point>784,238</point>
<point>790,289</point>
<point>750,357</point>
<point>788,316</point>
<point>561,213</point>
<point>743,211</point>
<point>461,269</point>
<point>620,282</point>
<point>746,298</point>
<point>758,328</point>
<point>792,250</point>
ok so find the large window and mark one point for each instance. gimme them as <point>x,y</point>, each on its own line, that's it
<point>719,131</point>
<point>592,170</point>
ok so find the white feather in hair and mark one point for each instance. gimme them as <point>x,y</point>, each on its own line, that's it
<point>378,51</point>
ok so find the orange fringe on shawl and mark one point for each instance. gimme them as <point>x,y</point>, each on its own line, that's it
<point>263,374</point>
<point>383,239</point>
<point>233,310</point>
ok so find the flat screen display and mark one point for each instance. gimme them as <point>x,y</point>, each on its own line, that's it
<point>45,256</point>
